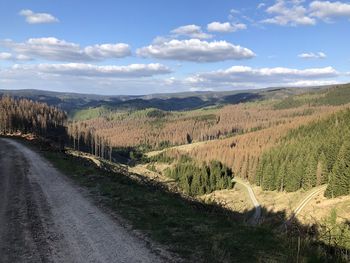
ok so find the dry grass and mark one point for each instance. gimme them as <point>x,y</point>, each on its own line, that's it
<point>321,207</point>
<point>234,199</point>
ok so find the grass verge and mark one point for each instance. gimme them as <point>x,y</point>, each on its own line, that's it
<point>196,232</point>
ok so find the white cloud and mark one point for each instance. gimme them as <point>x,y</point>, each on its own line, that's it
<point>108,51</point>
<point>225,27</point>
<point>289,13</point>
<point>312,55</point>
<point>261,5</point>
<point>293,12</point>
<point>260,77</point>
<point>196,50</point>
<point>51,48</point>
<point>11,57</point>
<point>326,9</point>
<point>89,70</point>
<point>312,83</point>
<point>194,89</point>
<point>234,11</point>
<point>120,80</point>
<point>38,18</point>
<point>5,56</point>
<point>192,31</point>
<point>128,79</point>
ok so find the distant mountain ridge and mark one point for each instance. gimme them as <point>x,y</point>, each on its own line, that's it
<point>167,101</point>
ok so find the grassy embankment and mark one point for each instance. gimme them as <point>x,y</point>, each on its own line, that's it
<point>195,231</point>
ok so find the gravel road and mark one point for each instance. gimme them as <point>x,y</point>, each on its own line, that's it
<point>45,218</point>
<point>313,193</point>
<point>254,220</point>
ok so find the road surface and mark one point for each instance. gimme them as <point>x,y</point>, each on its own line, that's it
<point>45,218</point>
<point>257,213</point>
<point>307,199</point>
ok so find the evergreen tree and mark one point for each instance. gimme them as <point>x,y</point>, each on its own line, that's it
<point>321,171</point>
<point>268,183</point>
<point>195,180</point>
<point>340,178</point>
<point>310,176</point>
<point>281,176</point>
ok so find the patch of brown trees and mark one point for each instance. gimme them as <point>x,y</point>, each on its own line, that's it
<point>26,116</point>
<point>180,128</point>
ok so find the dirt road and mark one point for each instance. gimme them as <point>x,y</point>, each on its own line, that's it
<point>45,218</point>
<point>307,199</point>
<point>254,220</point>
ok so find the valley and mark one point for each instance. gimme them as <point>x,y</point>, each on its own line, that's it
<point>180,131</point>
<point>215,159</point>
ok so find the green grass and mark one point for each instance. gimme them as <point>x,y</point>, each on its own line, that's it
<point>197,232</point>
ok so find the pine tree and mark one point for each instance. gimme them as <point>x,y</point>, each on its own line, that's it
<point>280,179</point>
<point>321,171</point>
<point>268,183</point>
<point>310,177</point>
<point>340,180</point>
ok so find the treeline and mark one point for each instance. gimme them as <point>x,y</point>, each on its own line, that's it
<point>85,138</point>
<point>26,116</point>
<point>309,156</point>
<point>198,180</point>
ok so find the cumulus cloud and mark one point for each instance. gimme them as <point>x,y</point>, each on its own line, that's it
<point>326,9</point>
<point>247,76</point>
<point>89,70</point>
<point>51,48</point>
<point>312,55</point>
<point>296,12</point>
<point>288,12</point>
<point>11,57</point>
<point>195,50</point>
<point>192,31</point>
<point>225,27</point>
<point>37,18</point>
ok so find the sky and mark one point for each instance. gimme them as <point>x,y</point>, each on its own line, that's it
<point>156,46</point>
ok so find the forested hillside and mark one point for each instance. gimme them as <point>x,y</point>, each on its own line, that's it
<point>156,129</point>
<point>26,116</point>
<point>268,142</point>
<point>153,128</point>
<point>74,102</point>
<point>242,152</point>
<point>281,145</point>
<point>309,156</point>
<point>334,95</point>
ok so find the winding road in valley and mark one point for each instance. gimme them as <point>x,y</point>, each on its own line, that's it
<point>44,217</point>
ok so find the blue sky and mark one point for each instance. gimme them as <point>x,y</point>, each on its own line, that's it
<point>140,47</point>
